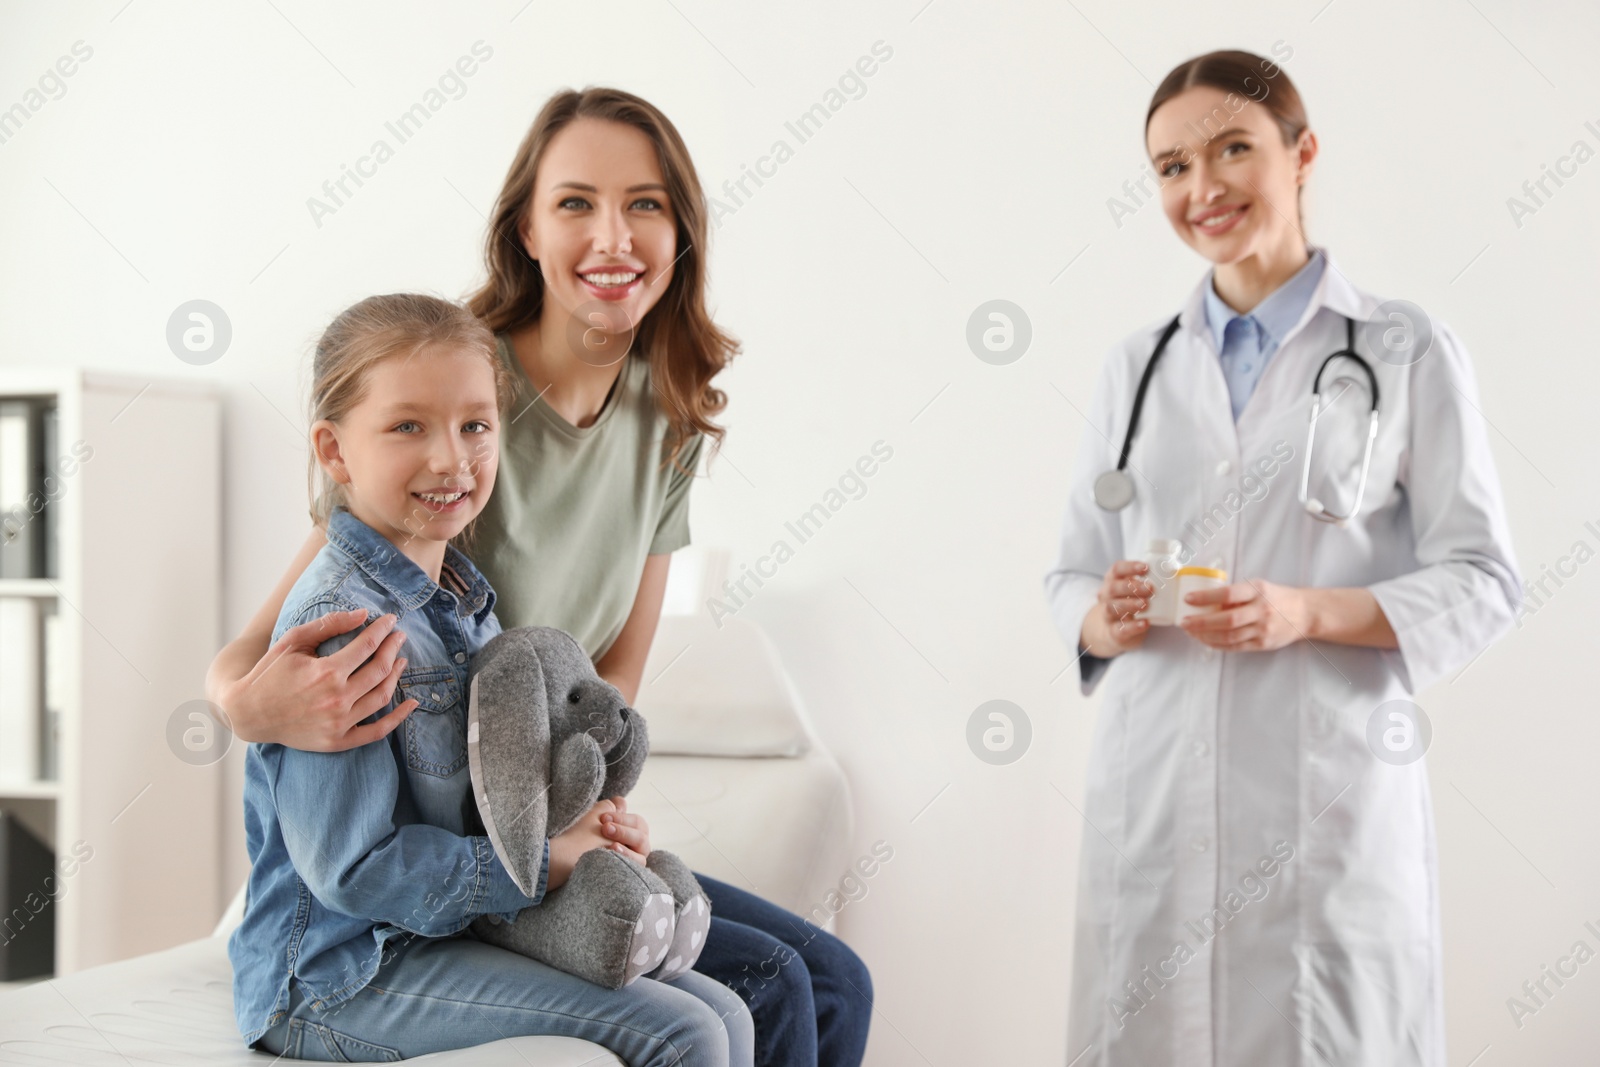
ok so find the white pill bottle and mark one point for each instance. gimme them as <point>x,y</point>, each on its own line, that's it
<point>1162,559</point>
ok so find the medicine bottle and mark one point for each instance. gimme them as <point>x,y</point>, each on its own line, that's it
<point>1194,579</point>
<point>1162,559</point>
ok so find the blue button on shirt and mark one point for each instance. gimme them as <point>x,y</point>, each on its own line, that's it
<point>1246,342</point>
<point>351,849</point>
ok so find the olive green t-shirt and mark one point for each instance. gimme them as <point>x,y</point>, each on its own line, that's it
<point>575,510</point>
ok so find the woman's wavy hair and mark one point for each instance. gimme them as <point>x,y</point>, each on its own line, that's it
<point>684,347</point>
<point>380,328</point>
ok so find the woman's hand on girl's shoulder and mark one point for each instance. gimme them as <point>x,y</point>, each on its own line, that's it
<point>296,698</point>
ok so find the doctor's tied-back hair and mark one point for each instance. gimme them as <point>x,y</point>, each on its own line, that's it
<point>396,325</point>
<point>685,349</point>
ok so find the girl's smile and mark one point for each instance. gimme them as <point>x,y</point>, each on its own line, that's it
<point>444,500</point>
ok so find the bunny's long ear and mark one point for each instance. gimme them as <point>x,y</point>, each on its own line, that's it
<point>508,751</point>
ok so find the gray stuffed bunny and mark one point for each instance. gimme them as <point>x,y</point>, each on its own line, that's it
<point>546,739</point>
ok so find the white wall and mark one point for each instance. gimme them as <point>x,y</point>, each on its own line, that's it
<point>978,163</point>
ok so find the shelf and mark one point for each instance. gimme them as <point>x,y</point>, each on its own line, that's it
<point>136,628</point>
<point>34,790</point>
<point>34,587</point>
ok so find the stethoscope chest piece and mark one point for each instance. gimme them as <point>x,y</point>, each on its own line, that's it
<point>1113,490</point>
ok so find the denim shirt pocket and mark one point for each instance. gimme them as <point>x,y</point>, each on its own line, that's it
<point>435,740</point>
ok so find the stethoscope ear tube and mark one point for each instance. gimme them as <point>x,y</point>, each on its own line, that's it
<point>1348,352</point>
<point>1315,508</point>
<point>1144,387</point>
<point>1113,490</point>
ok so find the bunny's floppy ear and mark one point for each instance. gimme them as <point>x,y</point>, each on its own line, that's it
<point>508,750</point>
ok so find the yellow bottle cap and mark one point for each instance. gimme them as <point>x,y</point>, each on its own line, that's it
<point>1203,572</point>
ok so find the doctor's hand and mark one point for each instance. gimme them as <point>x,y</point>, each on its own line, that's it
<point>1109,628</point>
<point>1251,616</point>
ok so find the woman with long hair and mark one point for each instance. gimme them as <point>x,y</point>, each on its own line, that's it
<point>596,290</point>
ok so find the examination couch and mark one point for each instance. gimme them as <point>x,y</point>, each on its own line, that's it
<point>737,784</point>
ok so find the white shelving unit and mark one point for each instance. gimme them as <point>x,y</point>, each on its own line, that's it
<point>138,596</point>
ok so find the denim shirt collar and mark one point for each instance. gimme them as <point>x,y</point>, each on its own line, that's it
<point>399,576</point>
<point>1278,313</point>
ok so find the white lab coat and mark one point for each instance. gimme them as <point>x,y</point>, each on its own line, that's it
<point>1209,770</point>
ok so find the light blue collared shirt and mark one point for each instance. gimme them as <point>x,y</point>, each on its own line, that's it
<point>1246,342</point>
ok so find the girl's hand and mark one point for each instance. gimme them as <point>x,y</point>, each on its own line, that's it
<point>295,698</point>
<point>590,832</point>
<point>1253,616</point>
<point>1109,628</point>
<point>629,832</point>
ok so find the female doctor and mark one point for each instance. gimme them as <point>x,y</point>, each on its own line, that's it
<point>1259,885</point>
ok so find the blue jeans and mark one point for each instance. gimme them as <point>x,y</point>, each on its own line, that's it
<point>810,995</point>
<point>435,993</point>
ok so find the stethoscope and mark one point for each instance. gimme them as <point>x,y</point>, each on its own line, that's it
<point>1113,490</point>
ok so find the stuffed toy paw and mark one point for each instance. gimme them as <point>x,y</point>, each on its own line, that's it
<point>610,923</point>
<point>693,915</point>
<point>546,739</point>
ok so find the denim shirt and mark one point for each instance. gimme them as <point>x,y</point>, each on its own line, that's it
<point>351,849</point>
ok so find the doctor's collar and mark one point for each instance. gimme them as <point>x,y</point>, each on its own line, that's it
<point>1334,291</point>
<point>1279,312</point>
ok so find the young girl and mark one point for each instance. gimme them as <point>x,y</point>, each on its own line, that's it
<point>597,292</point>
<point>367,865</point>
